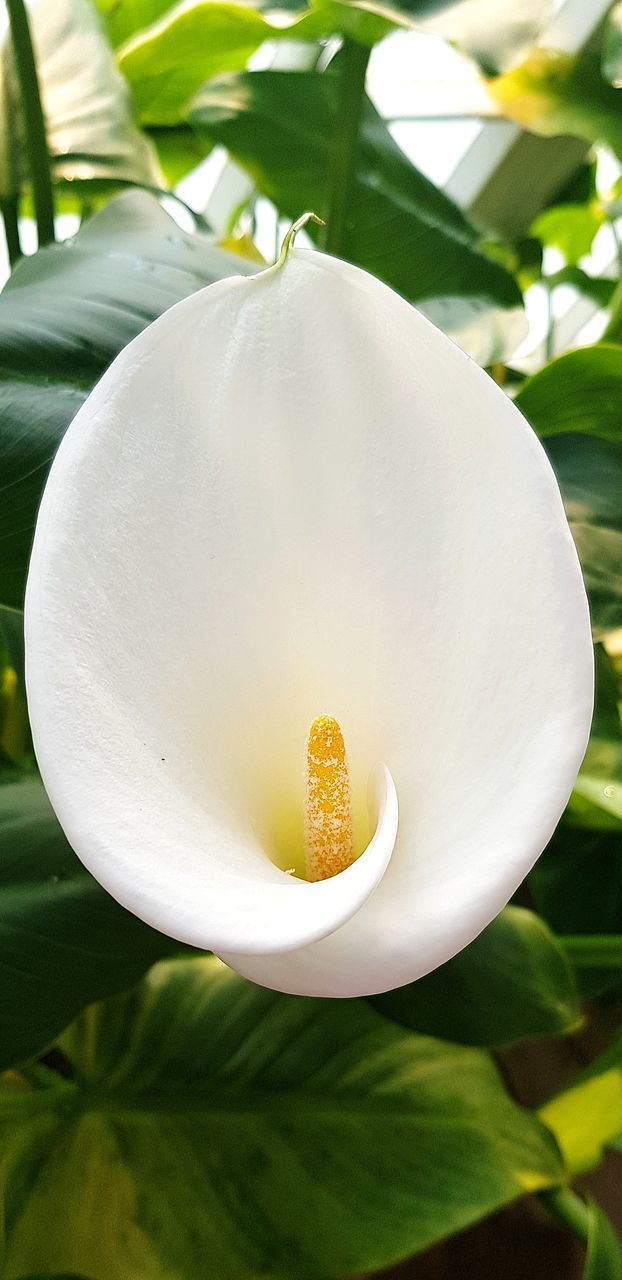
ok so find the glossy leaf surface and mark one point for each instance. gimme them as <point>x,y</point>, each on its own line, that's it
<point>273,1135</point>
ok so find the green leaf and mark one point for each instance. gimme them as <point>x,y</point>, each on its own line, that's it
<point>555,93</point>
<point>90,129</point>
<point>167,64</point>
<point>589,471</point>
<point>64,315</point>
<point>571,228</point>
<point>612,47</point>
<point>279,125</point>
<point>513,981</point>
<point>579,391</point>
<point>604,1251</point>
<point>271,1135</point>
<point>63,941</point>
<point>123,18</point>
<point>587,1117</point>
<point>599,289</point>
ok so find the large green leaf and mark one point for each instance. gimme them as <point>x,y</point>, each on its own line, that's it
<point>218,1124</point>
<point>555,93</point>
<point>168,52</point>
<point>279,125</point>
<point>579,391</point>
<point>589,471</point>
<point>63,941</point>
<point>604,1250</point>
<point>167,64</point>
<point>64,315</point>
<point>513,981</point>
<point>87,106</point>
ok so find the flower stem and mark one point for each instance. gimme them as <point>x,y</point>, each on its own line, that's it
<point>10,212</point>
<point>34,121</point>
<point>352,63</point>
<point>569,1209</point>
<point>598,951</point>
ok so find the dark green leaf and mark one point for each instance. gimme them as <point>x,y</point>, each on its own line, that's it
<point>65,313</point>
<point>513,981</point>
<point>267,1135</point>
<point>63,941</point>
<point>580,391</point>
<point>604,1250</point>
<point>599,288</point>
<point>400,227</point>
<point>612,47</point>
<point>589,471</point>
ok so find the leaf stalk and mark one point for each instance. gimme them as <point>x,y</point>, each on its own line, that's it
<point>352,62</point>
<point>34,120</point>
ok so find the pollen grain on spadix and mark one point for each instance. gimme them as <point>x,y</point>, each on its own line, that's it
<point>328,811</point>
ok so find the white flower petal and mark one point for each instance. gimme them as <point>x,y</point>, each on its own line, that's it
<point>292,496</point>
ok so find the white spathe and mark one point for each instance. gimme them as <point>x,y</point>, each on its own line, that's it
<point>290,496</point>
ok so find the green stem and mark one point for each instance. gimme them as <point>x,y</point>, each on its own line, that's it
<point>549,349</point>
<point>613,331</point>
<point>34,121</point>
<point>352,63</point>
<point>569,1209</point>
<point>598,951</point>
<point>10,218</point>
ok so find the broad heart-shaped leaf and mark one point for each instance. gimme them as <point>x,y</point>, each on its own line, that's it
<point>272,1135</point>
<point>63,941</point>
<point>87,106</point>
<point>279,126</point>
<point>513,981</point>
<point>552,93</point>
<point>64,315</point>
<point>579,391</point>
<point>589,471</point>
<point>604,1250</point>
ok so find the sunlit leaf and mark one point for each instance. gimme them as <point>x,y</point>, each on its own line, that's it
<point>513,981</point>
<point>272,1135</point>
<point>571,228</point>
<point>587,1117</point>
<point>556,93</point>
<point>167,64</point>
<point>90,129</point>
<point>64,315</point>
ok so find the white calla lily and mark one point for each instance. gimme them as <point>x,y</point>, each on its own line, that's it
<point>292,496</point>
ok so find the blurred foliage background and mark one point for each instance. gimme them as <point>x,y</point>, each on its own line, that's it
<point>160,1118</point>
